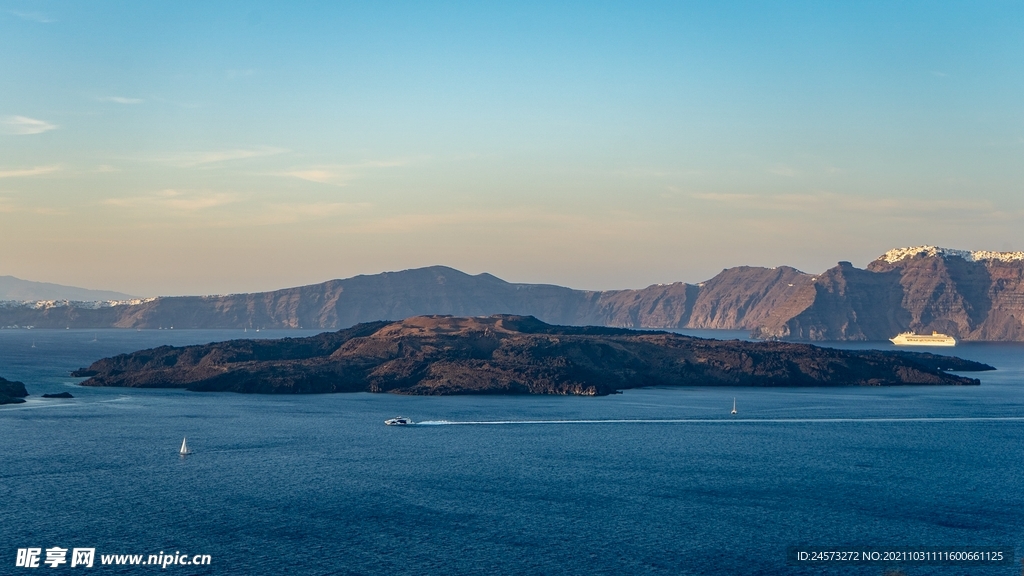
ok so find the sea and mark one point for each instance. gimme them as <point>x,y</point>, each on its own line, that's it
<point>650,481</point>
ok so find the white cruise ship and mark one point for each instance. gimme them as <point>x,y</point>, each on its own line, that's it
<point>912,339</point>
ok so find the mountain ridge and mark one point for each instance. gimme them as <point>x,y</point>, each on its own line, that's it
<point>16,289</point>
<point>969,295</point>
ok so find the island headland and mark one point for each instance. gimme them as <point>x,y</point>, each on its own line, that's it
<point>12,392</point>
<point>507,354</point>
<point>58,395</point>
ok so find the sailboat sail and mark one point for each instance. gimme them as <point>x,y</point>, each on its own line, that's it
<point>184,448</point>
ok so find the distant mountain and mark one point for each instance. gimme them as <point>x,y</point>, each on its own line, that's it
<point>12,288</point>
<point>969,295</point>
<point>736,298</point>
<point>328,305</point>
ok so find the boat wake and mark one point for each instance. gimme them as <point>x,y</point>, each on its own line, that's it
<point>34,404</point>
<point>725,421</point>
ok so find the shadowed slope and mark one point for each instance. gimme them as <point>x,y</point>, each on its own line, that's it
<point>12,392</point>
<point>508,355</point>
<point>946,291</point>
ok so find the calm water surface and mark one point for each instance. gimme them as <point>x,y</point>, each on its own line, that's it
<point>318,485</point>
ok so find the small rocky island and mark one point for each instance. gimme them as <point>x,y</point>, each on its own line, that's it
<point>12,392</point>
<point>504,354</point>
<point>61,395</point>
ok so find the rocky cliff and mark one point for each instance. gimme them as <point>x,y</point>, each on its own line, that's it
<point>738,298</point>
<point>328,305</point>
<point>507,354</point>
<point>969,295</point>
<point>12,392</point>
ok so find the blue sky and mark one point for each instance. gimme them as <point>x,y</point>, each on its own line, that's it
<point>189,147</point>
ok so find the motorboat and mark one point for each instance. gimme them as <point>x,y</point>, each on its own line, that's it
<point>398,421</point>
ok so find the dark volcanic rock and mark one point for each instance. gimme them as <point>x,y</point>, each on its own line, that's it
<point>58,395</point>
<point>508,355</point>
<point>12,392</point>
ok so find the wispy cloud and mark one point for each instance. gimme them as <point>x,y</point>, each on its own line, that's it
<point>32,16</point>
<point>121,100</point>
<point>315,175</point>
<point>339,174</point>
<point>724,197</point>
<point>294,212</point>
<point>12,205</point>
<point>176,104</point>
<point>782,170</point>
<point>938,74</point>
<point>176,200</point>
<point>528,218</point>
<point>206,209</point>
<point>23,172</point>
<point>23,125</point>
<point>842,203</point>
<point>654,173</point>
<point>216,156</point>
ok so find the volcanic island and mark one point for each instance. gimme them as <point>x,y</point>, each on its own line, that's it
<point>506,354</point>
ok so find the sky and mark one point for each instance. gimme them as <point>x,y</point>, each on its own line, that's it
<point>164,148</point>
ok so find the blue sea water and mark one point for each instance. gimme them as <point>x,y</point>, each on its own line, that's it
<point>318,485</point>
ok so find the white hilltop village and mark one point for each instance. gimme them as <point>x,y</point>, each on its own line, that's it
<point>84,304</point>
<point>897,254</point>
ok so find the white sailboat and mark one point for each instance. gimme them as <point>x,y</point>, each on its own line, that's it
<point>733,405</point>
<point>184,448</point>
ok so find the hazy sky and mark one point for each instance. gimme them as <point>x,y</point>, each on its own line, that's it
<point>212,147</point>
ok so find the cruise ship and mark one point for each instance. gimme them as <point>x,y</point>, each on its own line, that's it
<point>912,339</point>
